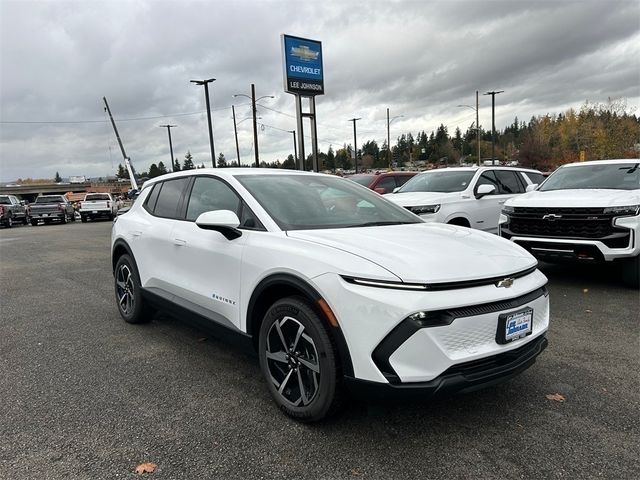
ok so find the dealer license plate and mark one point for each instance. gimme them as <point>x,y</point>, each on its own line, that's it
<point>95,211</point>
<point>514,325</point>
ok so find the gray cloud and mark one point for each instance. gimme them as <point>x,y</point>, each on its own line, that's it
<point>420,59</point>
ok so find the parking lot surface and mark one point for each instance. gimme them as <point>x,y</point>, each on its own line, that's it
<point>85,395</point>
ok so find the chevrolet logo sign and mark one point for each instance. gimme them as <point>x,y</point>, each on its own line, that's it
<point>304,53</point>
<point>551,217</point>
<point>505,283</point>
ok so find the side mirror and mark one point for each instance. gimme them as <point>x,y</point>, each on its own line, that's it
<point>532,187</point>
<point>395,190</point>
<point>380,190</point>
<point>224,221</point>
<point>485,189</point>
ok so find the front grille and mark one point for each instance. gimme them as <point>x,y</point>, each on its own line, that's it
<point>587,223</point>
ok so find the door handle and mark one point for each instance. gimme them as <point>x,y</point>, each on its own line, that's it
<point>179,242</point>
<point>136,233</point>
<point>501,202</point>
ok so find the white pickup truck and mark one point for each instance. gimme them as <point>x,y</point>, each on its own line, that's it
<point>98,205</point>
<point>585,212</point>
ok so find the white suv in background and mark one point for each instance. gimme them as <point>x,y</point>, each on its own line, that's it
<point>465,196</point>
<point>587,211</point>
<point>332,284</point>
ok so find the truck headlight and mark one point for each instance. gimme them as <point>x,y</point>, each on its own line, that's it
<point>627,210</point>
<point>425,209</point>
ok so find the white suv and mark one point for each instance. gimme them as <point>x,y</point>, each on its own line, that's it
<point>587,211</point>
<point>465,196</point>
<point>332,284</point>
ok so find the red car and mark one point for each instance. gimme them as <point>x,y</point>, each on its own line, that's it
<point>382,182</point>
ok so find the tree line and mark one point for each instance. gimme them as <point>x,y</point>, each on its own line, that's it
<point>595,131</point>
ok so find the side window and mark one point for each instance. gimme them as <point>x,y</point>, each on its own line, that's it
<point>535,177</point>
<point>388,183</point>
<point>402,179</point>
<point>488,178</point>
<point>169,197</point>
<point>508,182</point>
<point>209,193</point>
<point>249,220</point>
<point>150,204</point>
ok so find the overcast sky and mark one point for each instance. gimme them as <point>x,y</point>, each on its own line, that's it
<point>419,58</point>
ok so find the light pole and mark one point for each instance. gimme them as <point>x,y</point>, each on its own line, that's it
<point>235,129</point>
<point>169,127</point>
<point>255,125</point>
<point>355,142</point>
<point>477,109</point>
<point>295,147</point>
<point>206,96</point>
<point>389,137</point>
<point>493,124</point>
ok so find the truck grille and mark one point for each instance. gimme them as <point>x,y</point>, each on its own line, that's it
<point>571,223</point>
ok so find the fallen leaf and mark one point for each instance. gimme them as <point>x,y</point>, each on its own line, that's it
<point>586,290</point>
<point>556,397</point>
<point>355,472</point>
<point>146,468</point>
<point>588,311</point>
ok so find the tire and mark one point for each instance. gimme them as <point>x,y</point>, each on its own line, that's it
<point>25,220</point>
<point>631,272</point>
<point>83,219</point>
<point>311,366</point>
<point>34,223</point>
<point>64,218</point>
<point>73,217</point>
<point>9,222</point>
<point>131,305</point>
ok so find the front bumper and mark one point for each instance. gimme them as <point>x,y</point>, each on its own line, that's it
<point>370,317</point>
<point>461,378</point>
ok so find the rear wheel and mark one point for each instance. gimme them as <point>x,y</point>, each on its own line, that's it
<point>132,307</point>
<point>25,220</point>
<point>9,222</point>
<point>34,222</point>
<point>64,218</point>
<point>83,218</point>
<point>298,360</point>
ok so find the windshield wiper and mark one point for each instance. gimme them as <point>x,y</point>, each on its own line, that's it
<point>379,224</point>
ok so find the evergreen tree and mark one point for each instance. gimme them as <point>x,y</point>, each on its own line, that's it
<point>154,171</point>
<point>161,168</point>
<point>222,162</point>
<point>122,172</point>
<point>330,162</point>
<point>289,163</point>
<point>176,165</point>
<point>58,178</point>
<point>188,162</point>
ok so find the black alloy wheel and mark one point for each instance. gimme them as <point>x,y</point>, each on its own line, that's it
<point>299,361</point>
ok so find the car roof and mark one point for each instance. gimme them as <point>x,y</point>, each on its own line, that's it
<point>482,169</point>
<point>630,161</point>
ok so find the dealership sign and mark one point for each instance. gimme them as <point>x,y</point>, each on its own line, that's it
<point>302,61</point>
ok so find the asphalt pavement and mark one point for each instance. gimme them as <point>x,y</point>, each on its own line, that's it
<point>85,395</point>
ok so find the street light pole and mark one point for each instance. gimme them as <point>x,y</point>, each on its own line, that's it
<point>295,147</point>
<point>355,143</point>
<point>389,137</point>
<point>235,130</point>
<point>169,127</point>
<point>493,124</point>
<point>206,96</point>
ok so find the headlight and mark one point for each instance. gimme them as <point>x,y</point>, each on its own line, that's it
<point>424,209</point>
<point>507,210</point>
<point>628,210</point>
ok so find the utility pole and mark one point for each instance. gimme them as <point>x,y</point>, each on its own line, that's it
<point>206,96</point>
<point>235,130</point>
<point>295,147</point>
<point>169,127</point>
<point>255,125</point>
<point>388,142</point>
<point>493,124</point>
<point>478,126</point>
<point>355,142</point>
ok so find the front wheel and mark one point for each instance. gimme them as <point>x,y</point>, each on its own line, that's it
<point>34,223</point>
<point>9,222</point>
<point>131,305</point>
<point>299,361</point>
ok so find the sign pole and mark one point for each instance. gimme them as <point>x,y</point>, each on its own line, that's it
<point>314,133</point>
<point>300,160</point>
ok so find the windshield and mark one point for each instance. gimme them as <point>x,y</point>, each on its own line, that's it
<point>49,199</point>
<point>302,202</point>
<point>442,181</point>
<point>5,201</point>
<point>97,196</point>
<point>616,176</point>
<point>361,179</point>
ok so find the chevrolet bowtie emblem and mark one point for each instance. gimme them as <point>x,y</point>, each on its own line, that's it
<point>551,217</point>
<point>505,283</point>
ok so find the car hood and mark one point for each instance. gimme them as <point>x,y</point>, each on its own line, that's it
<point>412,199</point>
<point>428,253</point>
<point>576,198</point>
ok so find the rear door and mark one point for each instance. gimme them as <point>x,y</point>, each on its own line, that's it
<point>510,184</point>
<point>482,210</point>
